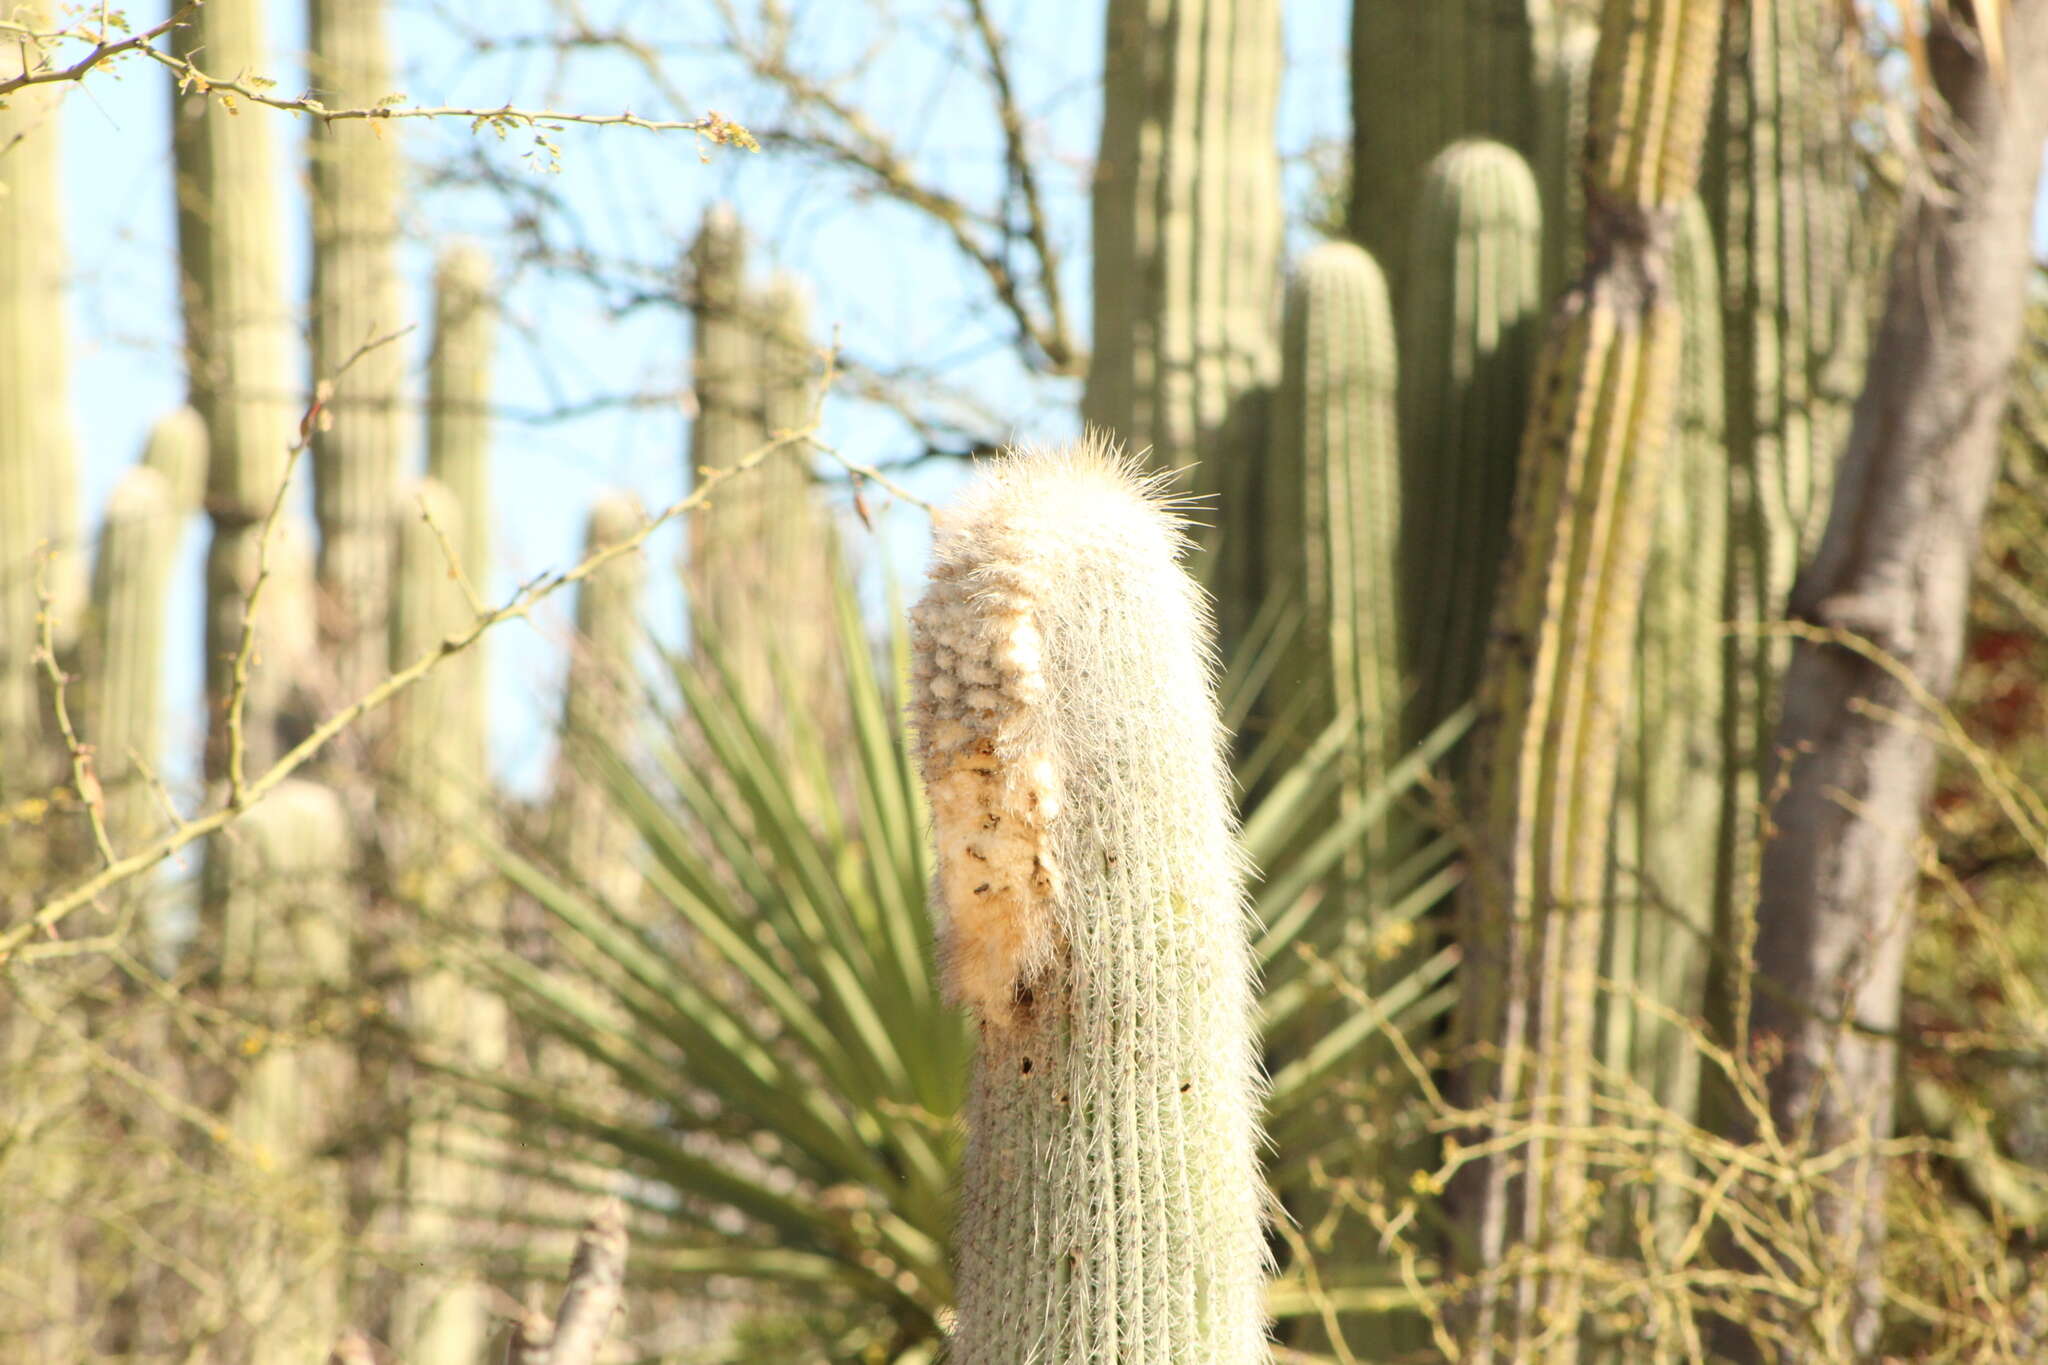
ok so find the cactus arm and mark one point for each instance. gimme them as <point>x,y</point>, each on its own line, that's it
<point>1557,676</point>
<point>458,459</point>
<point>1094,922</point>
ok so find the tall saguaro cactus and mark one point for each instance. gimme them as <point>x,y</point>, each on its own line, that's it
<point>1423,74</point>
<point>1666,839</point>
<point>238,344</point>
<point>1556,688</point>
<point>124,639</point>
<point>1093,921</point>
<point>458,459</point>
<point>1187,233</point>
<point>1334,507</point>
<point>590,836</point>
<point>1467,323</point>
<point>357,299</point>
<point>37,483</point>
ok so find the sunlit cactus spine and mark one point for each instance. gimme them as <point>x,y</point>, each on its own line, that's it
<point>1187,233</point>
<point>1334,510</point>
<point>1468,321</point>
<point>38,484</point>
<point>1425,73</point>
<point>590,836</point>
<point>1556,686</point>
<point>1666,837</point>
<point>458,457</point>
<point>357,300</point>
<point>284,944</point>
<point>239,337</point>
<point>1093,921</point>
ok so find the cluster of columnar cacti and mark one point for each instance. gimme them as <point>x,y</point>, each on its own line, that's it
<point>1093,921</point>
<point>761,549</point>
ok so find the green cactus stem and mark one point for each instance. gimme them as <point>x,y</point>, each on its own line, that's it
<point>1334,507</point>
<point>1187,232</point>
<point>1666,841</point>
<point>285,944</point>
<point>1556,689</point>
<point>38,484</point>
<point>592,839</point>
<point>1468,333</point>
<point>124,639</point>
<point>357,299</point>
<point>1783,197</point>
<point>441,1320</point>
<point>725,359</point>
<point>458,458</point>
<point>1562,83</point>
<point>1423,74</point>
<point>1093,921</point>
<point>239,337</point>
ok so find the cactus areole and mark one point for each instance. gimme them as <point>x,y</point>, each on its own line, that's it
<point>1092,918</point>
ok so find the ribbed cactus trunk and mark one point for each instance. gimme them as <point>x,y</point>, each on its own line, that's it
<point>458,458</point>
<point>1563,79</point>
<point>1666,838</point>
<point>440,1318</point>
<point>594,842</point>
<point>1333,517</point>
<point>357,298</point>
<point>1093,921</point>
<point>1425,73</point>
<point>38,515</point>
<point>123,653</point>
<point>761,551</point>
<point>1187,226</point>
<point>1556,691</point>
<point>1468,325</point>
<point>285,942</point>
<point>1783,197</point>
<point>239,339</point>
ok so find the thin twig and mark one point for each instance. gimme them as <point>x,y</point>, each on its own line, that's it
<point>84,781</point>
<point>102,50</point>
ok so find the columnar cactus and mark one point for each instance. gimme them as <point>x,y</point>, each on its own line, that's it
<point>1467,326</point>
<point>1782,195</point>
<point>439,1321</point>
<point>1093,921</point>
<point>284,942</point>
<point>725,359</point>
<point>357,298</point>
<point>1334,508</point>
<point>1424,73</point>
<point>1556,687</point>
<point>38,517</point>
<point>238,340</point>
<point>590,837</point>
<point>458,458</point>
<point>1666,841</point>
<point>1187,236</point>
<point>1561,93</point>
<point>124,638</point>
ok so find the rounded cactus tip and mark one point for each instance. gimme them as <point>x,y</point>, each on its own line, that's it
<point>463,267</point>
<point>614,516</point>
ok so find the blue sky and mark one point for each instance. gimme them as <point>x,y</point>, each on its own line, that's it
<point>881,278</point>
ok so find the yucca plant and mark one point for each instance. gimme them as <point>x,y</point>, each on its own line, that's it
<point>778,1082</point>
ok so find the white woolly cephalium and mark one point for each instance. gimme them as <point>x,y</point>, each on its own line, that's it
<point>1092,918</point>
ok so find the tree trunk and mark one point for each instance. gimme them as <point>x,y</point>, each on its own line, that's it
<point>1885,599</point>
